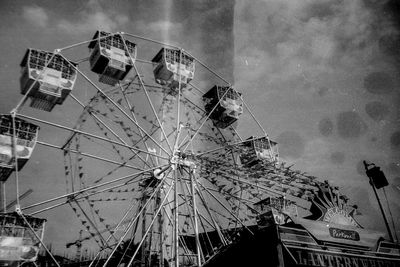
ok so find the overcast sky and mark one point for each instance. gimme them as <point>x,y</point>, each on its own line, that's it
<point>321,76</point>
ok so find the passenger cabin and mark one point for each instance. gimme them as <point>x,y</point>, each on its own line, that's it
<point>26,136</point>
<point>171,67</point>
<point>111,57</point>
<point>48,78</point>
<point>22,243</point>
<point>225,105</point>
<point>257,149</point>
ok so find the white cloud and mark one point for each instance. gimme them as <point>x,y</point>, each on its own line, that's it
<point>321,36</point>
<point>93,17</point>
<point>91,22</point>
<point>35,15</point>
<point>162,30</point>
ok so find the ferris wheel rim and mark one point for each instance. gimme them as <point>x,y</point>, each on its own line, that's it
<point>170,151</point>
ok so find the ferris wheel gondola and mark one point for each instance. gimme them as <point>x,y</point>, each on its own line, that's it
<point>25,138</point>
<point>47,78</point>
<point>20,237</point>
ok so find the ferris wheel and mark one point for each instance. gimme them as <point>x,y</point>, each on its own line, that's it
<point>156,170</point>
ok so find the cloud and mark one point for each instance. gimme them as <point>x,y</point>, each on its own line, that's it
<point>303,40</point>
<point>166,29</point>
<point>35,15</point>
<point>93,17</point>
<point>92,22</point>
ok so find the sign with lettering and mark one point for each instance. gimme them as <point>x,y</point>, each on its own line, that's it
<point>337,233</point>
<point>344,234</point>
<point>310,257</point>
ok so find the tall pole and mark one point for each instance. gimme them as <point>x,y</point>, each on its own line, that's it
<point>379,202</point>
<point>3,196</point>
<point>196,227</point>
<point>176,226</point>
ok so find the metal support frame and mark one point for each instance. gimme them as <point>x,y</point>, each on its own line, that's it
<point>379,203</point>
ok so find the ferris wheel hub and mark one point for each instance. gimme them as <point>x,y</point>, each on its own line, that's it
<point>183,160</point>
<point>158,174</point>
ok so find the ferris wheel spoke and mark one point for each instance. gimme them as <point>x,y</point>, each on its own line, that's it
<point>147,96</point>
<point>227,196</point>
<point>130,176</point>
<point>103,241</point>
<point>40,239</point>
<point>116,105</point>
<point>78,198</point>
<point>178,104</point>
<point>204,120</point>
<point>87,134</point>
<point>227,146</point>
<point>275,193</point>
<point>226,208</point>
<point>233,196</point>
<point>121,164</point>
<point>109,129</point>
<point>195,216</point>
<point>153,110</point>
<point>134,219</point>
<point>148,228</point>
<point>214,223</point>
<point>134,118</point>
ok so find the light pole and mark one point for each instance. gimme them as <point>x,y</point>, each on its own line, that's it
<point>375,175</point>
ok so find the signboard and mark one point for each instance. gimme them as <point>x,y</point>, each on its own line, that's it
<point>344,234</point>
<point>17,249</point>
<point>331,232</point>
<point>310,257</point>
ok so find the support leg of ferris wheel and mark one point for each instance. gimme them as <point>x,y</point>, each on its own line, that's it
<point>176,219</point>
<point>141,211</point>
<point>215,224</point>
<point>193,185</point>
<point>192,204</point>
<point>148,228</point>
